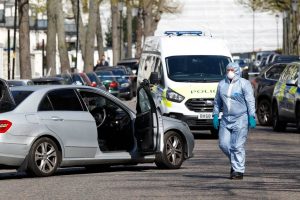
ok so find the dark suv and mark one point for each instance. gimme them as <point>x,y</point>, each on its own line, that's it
<point>286,98</point>
<point>263,86</point>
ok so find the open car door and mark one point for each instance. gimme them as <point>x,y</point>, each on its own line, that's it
<point>147,126</point>
<point>7,102</point>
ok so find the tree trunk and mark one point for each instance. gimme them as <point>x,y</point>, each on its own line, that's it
<point>157,16</point>
<point>24,40</point>
<point>148,17</point>
<point>115,38</point>
<point>99,34</point>
<point>139,33</point>
<point>61,37</point>
<point>90,37</point>
<point>129,29</point>
<point>51,38</point>
<point>82,29</point>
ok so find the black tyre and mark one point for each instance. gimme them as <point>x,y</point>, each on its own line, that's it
<point>173,153</point>
<point>278,125</point>
<point>298,117</point>
<point>44,157</point>
<point>214,133</point>
<point>264,113</point>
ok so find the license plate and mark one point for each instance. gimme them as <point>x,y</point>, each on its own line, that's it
<point>205,116</point>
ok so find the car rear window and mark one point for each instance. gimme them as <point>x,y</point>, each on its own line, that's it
<point>19,96</point>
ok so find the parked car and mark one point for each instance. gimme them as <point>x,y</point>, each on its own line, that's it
<point>70,125</point>
<point>19,82</point>
<point>109,81</point>
<point>278,58</point>
<point>67,77</point>
<point>95,79</point>
<point>49,81</point>
<point>77,79</point>
<point>263,86</point>
<point>126,87</point>
<point>132,63</point>
<point>286,98</point>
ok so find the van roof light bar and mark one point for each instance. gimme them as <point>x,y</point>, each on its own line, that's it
<point>180,33</point>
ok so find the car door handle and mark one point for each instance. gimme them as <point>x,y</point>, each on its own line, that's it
<point>55,118</point>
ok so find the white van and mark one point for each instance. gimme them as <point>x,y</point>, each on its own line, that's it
<point>184,69</point>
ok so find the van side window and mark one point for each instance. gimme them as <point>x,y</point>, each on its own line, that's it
<point>158,68</point>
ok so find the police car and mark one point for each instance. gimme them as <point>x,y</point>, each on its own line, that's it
<point>286,98</point>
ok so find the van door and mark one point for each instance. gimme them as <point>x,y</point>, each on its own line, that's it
<point>7,102</point>
<point>148,124</point>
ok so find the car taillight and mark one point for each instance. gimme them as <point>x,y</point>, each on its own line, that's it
<point>4,125</point>
<point>93,84</point>
<point>113,84</point>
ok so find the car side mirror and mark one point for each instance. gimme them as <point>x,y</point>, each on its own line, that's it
<point>154,78</point>
<point>291,83</point>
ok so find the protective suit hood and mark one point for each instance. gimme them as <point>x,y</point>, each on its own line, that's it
<point>236,68</point>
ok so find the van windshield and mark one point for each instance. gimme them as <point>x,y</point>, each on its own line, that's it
<point>196,68</point>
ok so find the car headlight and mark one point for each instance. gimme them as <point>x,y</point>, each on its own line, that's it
<point>125,85</point>
<point>174,96</point>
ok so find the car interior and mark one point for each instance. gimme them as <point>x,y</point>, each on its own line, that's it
<point>114,124</point>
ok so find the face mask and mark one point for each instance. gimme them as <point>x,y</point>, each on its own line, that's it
<point>230,75</point>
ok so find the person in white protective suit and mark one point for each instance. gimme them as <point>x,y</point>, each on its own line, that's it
<point>235,99</point>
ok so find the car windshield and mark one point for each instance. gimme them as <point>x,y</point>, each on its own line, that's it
<point>119,72</point>
<point>196,68</point>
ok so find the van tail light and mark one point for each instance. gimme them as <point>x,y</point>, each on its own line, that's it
<point>4,125</point>
<point>113,84</point>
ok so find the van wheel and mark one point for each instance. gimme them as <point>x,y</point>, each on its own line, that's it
<point>298,117</point>
<point>44,157</point>
<point>214,133</point>
<point>173,154</point>
<point>278,125</point>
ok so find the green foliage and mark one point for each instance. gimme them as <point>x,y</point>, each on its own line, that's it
<point>266,5</point>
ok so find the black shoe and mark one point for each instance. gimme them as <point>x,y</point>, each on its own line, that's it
<point>231,171</point>
<point>236,176</point>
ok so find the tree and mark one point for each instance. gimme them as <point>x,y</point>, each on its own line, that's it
<point>149,15</point>
<point>99,33</point>
<point>115,38</point>
<point>129,28</point>
<point>61,37</point>
<point>24,40</point>
<point>51,37</point>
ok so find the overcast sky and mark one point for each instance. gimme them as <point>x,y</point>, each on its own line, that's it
<point>228,20</point>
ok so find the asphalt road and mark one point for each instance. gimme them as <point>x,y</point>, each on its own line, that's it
<point>272,172</point>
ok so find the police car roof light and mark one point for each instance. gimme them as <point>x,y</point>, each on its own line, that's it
<point>179,33</point>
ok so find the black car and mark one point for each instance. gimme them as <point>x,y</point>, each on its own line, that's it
<point>132,63</point>
<point>49,81</point>
<point>263,86</point>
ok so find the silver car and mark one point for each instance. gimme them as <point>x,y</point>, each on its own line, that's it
<point>46,127</point>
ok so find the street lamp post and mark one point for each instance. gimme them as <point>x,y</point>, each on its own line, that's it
<point>120,8</point>
<point>277,20</point>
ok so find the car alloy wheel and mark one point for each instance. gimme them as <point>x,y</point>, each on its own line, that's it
<point>264,112</point>
<point>44,157</point>
<point>173,153</point>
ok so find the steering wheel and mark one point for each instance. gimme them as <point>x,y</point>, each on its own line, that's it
<point>100,115</point>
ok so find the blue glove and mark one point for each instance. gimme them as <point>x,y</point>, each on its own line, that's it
<point>216,121</point>
<point>252,122</point>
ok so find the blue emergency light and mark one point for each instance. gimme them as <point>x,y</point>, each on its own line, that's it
<point>179,33</point>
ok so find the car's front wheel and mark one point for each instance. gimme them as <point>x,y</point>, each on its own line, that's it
<point>173,152</point>
<point>44,157</point>
<point>278,125</point>
<point>264,112</point>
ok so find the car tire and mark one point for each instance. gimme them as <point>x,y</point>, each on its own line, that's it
<point>173,153</point>
<point>44,157</point>
<point>264,114</point>
<point>214,133</point>
<point>298,117</point>
<point>278,125</point>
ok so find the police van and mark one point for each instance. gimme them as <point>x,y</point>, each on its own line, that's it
<point>184,68</point>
